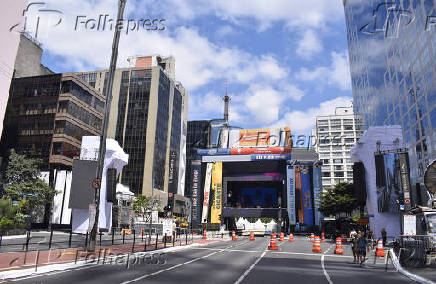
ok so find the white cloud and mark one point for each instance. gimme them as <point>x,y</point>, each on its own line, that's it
<point>338,73</point>
<point>302,122</point>
<point>309,45</point>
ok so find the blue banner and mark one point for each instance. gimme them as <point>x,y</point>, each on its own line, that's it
<point>290,191</point>
<point>260,157</point>
<point>307,196</point>
<point>317,189</point>
<point>212,152</point>
<point>196,204</point>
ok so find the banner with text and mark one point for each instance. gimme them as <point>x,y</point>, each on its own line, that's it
<point>206,193</point>
<point>290,191</point>
<point>217,177</point>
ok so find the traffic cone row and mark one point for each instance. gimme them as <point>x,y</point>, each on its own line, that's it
<point>251,236</point>
<point>273,243</point>
<point>291,237</point>
<point>234,238</point>
<point>282,237</point>
<point>204,235</point>
<point>339,249</point>
<point>316,245</point>
<point>379,250</point>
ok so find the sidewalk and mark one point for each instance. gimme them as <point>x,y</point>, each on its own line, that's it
<point>35,260</point>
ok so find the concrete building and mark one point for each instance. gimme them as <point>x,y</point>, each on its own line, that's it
<point>336,135</point>
<point>11,15</point>
<point>392,51</point>
<point>148,119</point>
<point>47,116</point>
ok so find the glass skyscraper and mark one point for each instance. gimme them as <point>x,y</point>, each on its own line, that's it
<point>392,51</point>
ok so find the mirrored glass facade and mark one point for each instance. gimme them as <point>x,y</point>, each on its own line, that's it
<point>392,52</point>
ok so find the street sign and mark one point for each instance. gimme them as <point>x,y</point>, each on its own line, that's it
<point>96,183</point>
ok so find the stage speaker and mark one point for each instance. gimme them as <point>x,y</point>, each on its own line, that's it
<point>359,183</point>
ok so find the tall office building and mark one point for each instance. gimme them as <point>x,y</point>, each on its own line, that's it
<point>148,119</point>
<point>392,50</point>
<point>336,135</point>
<point>47,116</point>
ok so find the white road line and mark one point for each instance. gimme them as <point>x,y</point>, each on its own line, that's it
<point>250,268</point>
<point>181,264</point>
<point>323,266</point>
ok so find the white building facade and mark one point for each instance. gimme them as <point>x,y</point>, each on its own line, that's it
<point>335,136</point>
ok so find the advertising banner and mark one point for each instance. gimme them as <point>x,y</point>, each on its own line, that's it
<point>317,189</point>
<point>267,137</point>
<point>206,193</point>
<point>218,151</point>
<point>388,182</point>
<point>405,179</point>
<point>268,150</point>
<point>260,157</point>
<point>195,193</point>
<point>409,225</point>
<point>290,191</point>
<point>307,196</point>
<point>299,195</point>
<point>217,180</point>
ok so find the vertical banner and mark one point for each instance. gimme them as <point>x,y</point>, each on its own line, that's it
<point>206,193</point>
<point>405,179</point>
<point>195,193</point>
<point>380,181</point>
<point>307,196</point>
<point>217,189</point>
<point>317,189</point>
<point>290,191</point>
<point>299,195</point>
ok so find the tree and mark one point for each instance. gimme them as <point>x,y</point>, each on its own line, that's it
<point>337,200</point>
<point>143,204</point>
<point>22,183</point>
<point>9,216</point>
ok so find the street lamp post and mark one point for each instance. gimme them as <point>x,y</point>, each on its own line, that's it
<point>102,149</point>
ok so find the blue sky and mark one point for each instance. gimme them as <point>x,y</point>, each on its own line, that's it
<point>285,60</point>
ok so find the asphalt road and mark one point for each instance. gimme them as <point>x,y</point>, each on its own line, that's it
<point>240,261</point>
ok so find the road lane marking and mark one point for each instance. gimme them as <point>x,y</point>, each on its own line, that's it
<point>323,266</point>
<point>181,264</point>
<point>250,268</point>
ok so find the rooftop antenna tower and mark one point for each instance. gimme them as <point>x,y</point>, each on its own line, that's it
<point>226,100</point>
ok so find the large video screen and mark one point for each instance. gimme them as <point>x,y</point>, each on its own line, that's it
<point>253,195</point>
<point>388,180</point>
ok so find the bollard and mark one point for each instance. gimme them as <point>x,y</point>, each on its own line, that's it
<point>51,238</point>
<point>113,233</point>
<point>86,239</point>
<point>174,238</point>
<point>27,240</point>
<point>155,245</point>
<point>36,261</point>
<point>1,237</point>
<point>165,241</point>
<point>145,245</point>
<point>124,237</point>
<point>100,237</point>
<point>69,239</point>
<point>134,239</point>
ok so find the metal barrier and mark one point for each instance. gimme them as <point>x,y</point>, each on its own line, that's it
<point>415,251</point>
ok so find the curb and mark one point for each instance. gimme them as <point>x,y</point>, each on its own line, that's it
<point>57,268</point>
<point>406,273</point>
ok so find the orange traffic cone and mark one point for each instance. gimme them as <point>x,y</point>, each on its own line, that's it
<point>339,249</point>
<point>141,233</point>
<point>379,251</point>
<point>204,235</point>
<point>272,243</point>
<point>282,237</point>
<point>234,238</point>
<point>317,245</point>
<point>312,237</point>
<point>251,236</point>
<point>291,237</point>
<point>322,238</point>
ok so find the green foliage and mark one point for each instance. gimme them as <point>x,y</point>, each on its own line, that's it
<point>9,216</point>
<point>339,199</point>
<point>23,184</point>
<point>143,203</point>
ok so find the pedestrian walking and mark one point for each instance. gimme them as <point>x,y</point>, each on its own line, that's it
<point>361,246</point>
<point>354,247</point>
<point>384,236</point>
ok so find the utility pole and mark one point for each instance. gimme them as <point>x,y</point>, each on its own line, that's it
<point>107,105</point>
